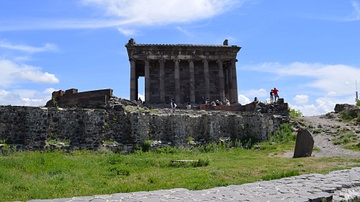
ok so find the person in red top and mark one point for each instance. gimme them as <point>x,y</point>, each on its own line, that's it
<point>276,93</point>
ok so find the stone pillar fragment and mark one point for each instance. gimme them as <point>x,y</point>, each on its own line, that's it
<point>133,80</point>
<point>304,144</point>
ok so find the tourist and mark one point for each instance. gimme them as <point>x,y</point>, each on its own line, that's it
<point>207,102</point>
<point>173,105</point>
<point>276,94</point>
<point>227,102</point>
<point>188,106</point>
<point>271,96</point>
<point>256,101</point>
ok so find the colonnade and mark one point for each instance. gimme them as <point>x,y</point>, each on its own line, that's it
<point>227,79</point>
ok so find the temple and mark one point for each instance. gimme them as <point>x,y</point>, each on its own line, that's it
<point>184,72</point>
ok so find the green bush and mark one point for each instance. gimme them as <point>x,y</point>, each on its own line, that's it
<point>295,113</point>
<point>283,135</point>
<point>349,116</point>
<point>145,147</point>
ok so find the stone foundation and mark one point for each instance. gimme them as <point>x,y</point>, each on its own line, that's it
<point>33,128</point>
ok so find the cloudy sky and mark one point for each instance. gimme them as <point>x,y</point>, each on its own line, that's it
<point>308,49</point>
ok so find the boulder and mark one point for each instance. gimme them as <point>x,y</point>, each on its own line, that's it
<point>344,107</point>
<point>304,144</point>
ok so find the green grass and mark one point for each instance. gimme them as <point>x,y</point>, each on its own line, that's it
<point>46,175</point>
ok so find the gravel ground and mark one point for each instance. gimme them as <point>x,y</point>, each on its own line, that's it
<point>323,129</point>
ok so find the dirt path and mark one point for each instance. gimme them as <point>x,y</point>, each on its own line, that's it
<point>324,129</point>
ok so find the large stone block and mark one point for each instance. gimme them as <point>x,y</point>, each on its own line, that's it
<point>304,143</point>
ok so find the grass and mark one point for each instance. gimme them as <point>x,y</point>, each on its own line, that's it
<point>55,174</point>
<point>46,175</point>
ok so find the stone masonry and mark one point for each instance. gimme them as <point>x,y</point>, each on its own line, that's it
<point>33,127</point>
<point>184,72</point>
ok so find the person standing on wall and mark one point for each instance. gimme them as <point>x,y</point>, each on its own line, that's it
<point>276,94</point>
<point>173,105</point>
<point>271,96</point>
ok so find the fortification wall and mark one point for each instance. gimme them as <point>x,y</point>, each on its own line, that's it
<point>33,128</point>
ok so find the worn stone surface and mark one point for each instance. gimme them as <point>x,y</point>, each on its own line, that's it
<point>343,185</point>
<point>304,143</point>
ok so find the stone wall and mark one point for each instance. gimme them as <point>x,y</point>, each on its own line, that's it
<point>72,97</point>
<point>33,128</point>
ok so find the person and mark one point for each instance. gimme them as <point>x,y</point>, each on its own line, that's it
<point>207,102</point>
<point>173,105</point>
<point>257,104</point>
<point>271,96</point>
<point>213,103</point>
<point>188,106</point>
<point>227,102</point>
<point>276,94</point>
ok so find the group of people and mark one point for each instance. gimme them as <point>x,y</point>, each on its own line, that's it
<point>217,102</point>
<point>274,95</point>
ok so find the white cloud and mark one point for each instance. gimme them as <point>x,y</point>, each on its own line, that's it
<point>355,16</point>
<point>12,73</point>
<point>326,84</point>
<point>334,80</point>
<point>24,97</point>
<point>28,49</point>
<point>184,31</point>
<point>301,99</point>
<point>126,32</point>
<point>132,13</point>
<point>145,12</point>
<point>243,99</point>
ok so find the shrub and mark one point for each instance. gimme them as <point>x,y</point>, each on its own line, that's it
<point>145,147</point>
<point>283,135</point>
<point>295,113</point>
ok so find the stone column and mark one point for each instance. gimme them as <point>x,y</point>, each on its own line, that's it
<point>221,80</point>
<point>133,80</point>
<point>234,90</point>
<point>147,82</point>
<point>206,78</point>
<point>177,81</point>
<point>227,82</point>
<point>162,79</point>
<point>192,81</point>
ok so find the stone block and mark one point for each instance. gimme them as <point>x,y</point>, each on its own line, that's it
<point>304,144</point>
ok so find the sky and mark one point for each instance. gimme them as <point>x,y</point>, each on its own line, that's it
<point>307,49</point>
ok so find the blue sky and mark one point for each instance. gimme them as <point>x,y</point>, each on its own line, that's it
<point>308,49</point>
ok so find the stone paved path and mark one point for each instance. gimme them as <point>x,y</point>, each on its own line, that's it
<point>341,185</point>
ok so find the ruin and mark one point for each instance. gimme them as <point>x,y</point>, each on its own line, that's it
<point>73,98</point>
<point>184,72</point>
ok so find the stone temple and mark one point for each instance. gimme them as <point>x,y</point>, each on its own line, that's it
<point>184,72</point>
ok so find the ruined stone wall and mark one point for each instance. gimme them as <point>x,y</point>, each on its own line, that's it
<point>33,127</point>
